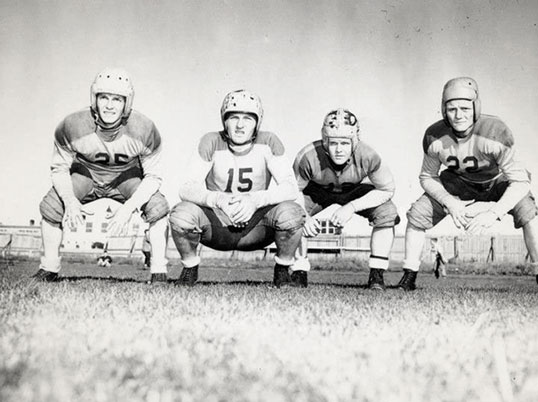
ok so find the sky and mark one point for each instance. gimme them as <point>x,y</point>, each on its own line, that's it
<point>386,61</point>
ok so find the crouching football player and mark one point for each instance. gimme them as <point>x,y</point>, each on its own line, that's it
<point>105,151</point>
<point>227,204</point>
<point>331,171</point>
<point>482,169</point>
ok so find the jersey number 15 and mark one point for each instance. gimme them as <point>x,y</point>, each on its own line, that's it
<point>245,183</point>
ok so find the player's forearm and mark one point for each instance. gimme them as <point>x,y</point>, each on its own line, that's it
<point>286,191</point>
<point>435,189</point>
<point>148,186</point>
<point>61,180</point>
<point>371,200</point>
<point>198,194</point>
<point>513,194</point>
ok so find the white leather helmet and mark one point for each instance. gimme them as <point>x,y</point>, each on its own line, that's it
<point>114,81</point>
<point>461,88</point>
<point>242,101</point>
<point>340,123</point>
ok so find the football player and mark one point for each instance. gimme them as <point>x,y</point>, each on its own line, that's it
<point>105,151</point>
<point>471,172</point>
<point>228,203</point>
<point>332,171</point>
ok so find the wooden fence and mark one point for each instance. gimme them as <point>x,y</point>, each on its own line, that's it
<point>500,248</point>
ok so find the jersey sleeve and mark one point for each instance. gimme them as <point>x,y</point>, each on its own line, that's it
<point>285,185</point>
<point>150,159</point>
<point>302,169</point>
<point>62,159</point>
<point>429,173</point>
<point>380,176</point>
<point>518,177</point>
<point>379,173</point>
<point>200,163</point>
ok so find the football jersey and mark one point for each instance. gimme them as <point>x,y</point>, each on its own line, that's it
<point>485,155</point>
<point>313,164</point>
<point>106,155</point>
<point>222,170</point>
<point>481,157</point>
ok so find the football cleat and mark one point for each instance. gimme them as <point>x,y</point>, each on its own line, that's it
<point>375,281</point>
<point>408,280</point>
<point>158,278</point>
<point>188,276</point>
<point>299,279</point>
<point>45,276</point>
<point>280,276</point>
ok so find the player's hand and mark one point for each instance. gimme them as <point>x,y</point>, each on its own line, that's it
<point>481,221</point>
<point>75,214</point>
<point>119,220</point>
<point>476,208</point>
<point>342,215</point>
<point>227,203</point>
<point>456,209</point>
<point>311,227</point>
<point>243,209</point>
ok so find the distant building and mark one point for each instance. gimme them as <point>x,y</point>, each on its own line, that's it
<point>93,234</point>
<point>85,238</point>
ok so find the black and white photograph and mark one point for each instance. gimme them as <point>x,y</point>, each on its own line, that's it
<point>268,200</point>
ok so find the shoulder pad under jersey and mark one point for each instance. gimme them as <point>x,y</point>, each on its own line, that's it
<point>270,139</point>
<point>210,143</point>
<point>434,132</point>
<point>143,129</point>
<point>493,128</point>
<point>74,126</point>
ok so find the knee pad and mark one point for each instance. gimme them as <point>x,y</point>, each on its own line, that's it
<point>386,216</point>
<point>52,209</point>
<point>289,215</point>
<point>183,216</point>
<point>156,208</point>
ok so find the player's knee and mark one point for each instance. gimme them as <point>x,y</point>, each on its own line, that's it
<point>52,210</point>
<point>419,218</point>
<point>156,208</point>
<point>184,217</point>
<point>525,211</point>
<point>289,216</point>
<point>385,216</point>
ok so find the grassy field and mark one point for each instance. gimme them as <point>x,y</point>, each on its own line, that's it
<point>105,335</point>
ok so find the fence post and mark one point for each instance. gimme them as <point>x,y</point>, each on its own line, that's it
<point>456,249</point>
<point>491,252</point>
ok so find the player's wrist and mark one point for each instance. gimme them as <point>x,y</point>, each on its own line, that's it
<point>495,212</point>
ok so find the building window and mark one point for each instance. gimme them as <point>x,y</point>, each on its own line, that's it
<point>328,228</point>
<point>104,226</point>
<point>89,227</point>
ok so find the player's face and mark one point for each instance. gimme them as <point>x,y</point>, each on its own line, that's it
<point>340,150</point>
<point>110,107</point>
<point>240,127</point>
<point>460,113</point>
